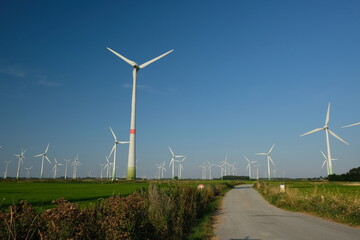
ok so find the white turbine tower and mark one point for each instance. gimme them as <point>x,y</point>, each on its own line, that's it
<point>249,166</point>
<point>131,174</point>
<point>108,167</point>
<point>75,164</point>
<point>21,158</point>
<point>209,165</point>
<point>113,150</point>
<point>327,131</point>
<point>269,159</point>
<point>172,162</point>
<point>55,168</point>
<point>43,156</point>
<point>66,167</point>
<point>28,171</point>
<point>6,169</point>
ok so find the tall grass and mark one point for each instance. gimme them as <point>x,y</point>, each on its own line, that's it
<point>327,203</point>
<point>150,213</point>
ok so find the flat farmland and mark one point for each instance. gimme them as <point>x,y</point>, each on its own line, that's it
<point>41,193</point>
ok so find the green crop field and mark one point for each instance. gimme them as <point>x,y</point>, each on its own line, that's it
<point>338,188</point>
<point>41,193</point>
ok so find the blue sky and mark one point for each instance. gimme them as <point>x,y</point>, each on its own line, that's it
<point>243,75</point>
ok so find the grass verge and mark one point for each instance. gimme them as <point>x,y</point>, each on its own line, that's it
<point>328,203</point>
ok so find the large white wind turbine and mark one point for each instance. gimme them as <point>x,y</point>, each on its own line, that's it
<point>131,174</point>
<point>21,158</point>
<point>327,131</point>
<point>172,162</point>
<point>43,156</point>
<point>269,159</point>
<point>113,150</point>
<point>249,166</point>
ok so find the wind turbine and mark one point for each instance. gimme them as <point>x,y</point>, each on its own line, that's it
<point>172,162</point>
<point>257,171</point>
<point>113,150</point>
<point>75,164</point>
<point>55,168</point>
<point>28,171</point>
<point>249,166</point>
<point>209,165</point>
<point>203,171</point>
<point>108,167</point>
<point>327,131</point>
<point>326,161</point>
<point>162,166</point>
<point>351,125</point>
<point>6,169</point>
<point>224,165</point>
<point>131,174</point>
<point>180,166</point>
<point>21,158</point>
<point>66,167</point>
<point>101,169</point>
<point>43,156</point>
<point>269,159</point>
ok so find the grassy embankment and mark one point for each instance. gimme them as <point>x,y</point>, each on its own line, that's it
<point>165,210</point>
<point>335,201</point>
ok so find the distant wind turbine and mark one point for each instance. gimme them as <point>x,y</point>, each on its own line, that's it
<point>55,168</point>
<point>180,167</point>
<point>249,166</point>
<point>21,158</point>
<point>326,161</point>
<point>269,159</point>
<point>43,156</point>
<point>28,172</point>
<point>113,150</point>
<point>172,162</point>
<point>327,131</point>
<point>75,164</point>
<point>131,174</point>
<point>6,169</point>
<point>209,165</point>
<point>66,167</point>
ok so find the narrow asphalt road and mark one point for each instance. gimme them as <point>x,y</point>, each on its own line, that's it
<point>245,215</point>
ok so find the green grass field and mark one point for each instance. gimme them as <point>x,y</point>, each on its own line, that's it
<point>41,193</point>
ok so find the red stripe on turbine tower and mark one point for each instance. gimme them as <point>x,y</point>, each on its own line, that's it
<point>132,131</point>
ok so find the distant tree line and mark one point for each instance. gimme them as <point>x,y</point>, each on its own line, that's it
<point>352,176</point>
<point>235,177</point>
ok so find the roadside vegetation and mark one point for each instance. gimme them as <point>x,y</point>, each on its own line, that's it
<point>339,202</point>
<point>163,210</point>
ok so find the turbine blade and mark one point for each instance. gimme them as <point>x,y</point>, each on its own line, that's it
<point>351,125</point>
<point>271,148</point>
<point>247,159</point>
<point>47,148</point>
<point>312,131</point>
<point>323,154</point>
<point>39,155</point>
<point>113,134</point>
<point>124,142</point>
<point>112,150</point>
<point>155,59</point>
<point>122,57</point>
<point>260,154</point>
<point>332,133</point>
<point>271,160</point>
<point>172,153</point>
<point>327,115</point>
<point>47,159</point>
<point>323,164</point>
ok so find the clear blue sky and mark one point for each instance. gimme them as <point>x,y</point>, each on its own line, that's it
<point>244,75</point>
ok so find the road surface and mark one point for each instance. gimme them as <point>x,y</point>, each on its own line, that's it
<point>245,215</point>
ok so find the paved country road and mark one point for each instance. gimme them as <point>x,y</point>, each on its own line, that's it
<point>245,215</point>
